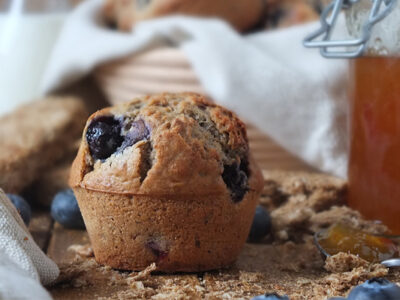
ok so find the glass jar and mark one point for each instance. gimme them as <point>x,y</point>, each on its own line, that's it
<point>374,94</point>
<point>374,158</point>
<point>28,31</point>
<point>374,97</point>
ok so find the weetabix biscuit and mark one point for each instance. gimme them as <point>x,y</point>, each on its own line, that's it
<point>35,136</point>
<point>303,203</point>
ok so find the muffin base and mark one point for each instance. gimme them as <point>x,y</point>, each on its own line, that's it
<point>179,234</point>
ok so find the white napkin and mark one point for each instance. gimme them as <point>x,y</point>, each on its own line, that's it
<point>289,92</point>
<point>23,266</point>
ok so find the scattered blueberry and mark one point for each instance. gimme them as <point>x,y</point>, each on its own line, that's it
<point>65,210</point>
<point>138,132</point>
<point>22,207</point>
<point>272,296</point>
<point>104,137</point>
<point>261,225</point>
<point>375,289</point>
<point>235,177</point>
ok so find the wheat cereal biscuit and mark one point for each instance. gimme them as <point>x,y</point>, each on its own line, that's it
<point>35,136</point>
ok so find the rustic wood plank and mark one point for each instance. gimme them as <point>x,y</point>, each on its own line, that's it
<point>40,228</point>
<point>271,156</point>
<point>264,269</point>
<point>109,284</point>
<point>85,279</point>
<point>61,239</point>
<point>153,73</point>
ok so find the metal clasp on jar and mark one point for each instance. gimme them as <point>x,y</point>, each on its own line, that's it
<point>353,47</point>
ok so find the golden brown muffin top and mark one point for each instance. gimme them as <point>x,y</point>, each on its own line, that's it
<point>165,144</point>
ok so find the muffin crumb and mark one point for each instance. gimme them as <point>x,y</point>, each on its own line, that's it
<point>82,250</point>
<point>142,274</point>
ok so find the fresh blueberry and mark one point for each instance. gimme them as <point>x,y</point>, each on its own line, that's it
<point>272,296</point>
<point>375,289</point>
<point>235,177</point>
<point>65,210</point>
<point>104,137</point>
<point>261,225</point>
<point>22,207</point>
<point>138,132</point>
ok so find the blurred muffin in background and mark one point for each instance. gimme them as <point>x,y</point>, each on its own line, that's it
<point>286,13</point>
<point>241,14</point>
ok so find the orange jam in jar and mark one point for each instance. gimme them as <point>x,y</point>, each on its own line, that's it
<point>374,49</point>
<point>374,161</point>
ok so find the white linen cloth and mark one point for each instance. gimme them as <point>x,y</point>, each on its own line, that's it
<point>23,266</point>
<point>268,78</point>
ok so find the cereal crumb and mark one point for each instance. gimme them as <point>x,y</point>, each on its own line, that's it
<point>82,250</point>
<point>142,274</point>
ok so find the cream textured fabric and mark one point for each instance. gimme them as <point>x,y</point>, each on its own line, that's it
<point>23,265</point>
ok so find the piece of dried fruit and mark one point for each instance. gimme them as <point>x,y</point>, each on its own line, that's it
<point>236,177</point>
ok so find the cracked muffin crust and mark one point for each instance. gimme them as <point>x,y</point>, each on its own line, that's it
<point>167,179</point>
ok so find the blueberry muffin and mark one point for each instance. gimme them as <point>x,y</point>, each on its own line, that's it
<point>167,179</point>
<point>241,14</point>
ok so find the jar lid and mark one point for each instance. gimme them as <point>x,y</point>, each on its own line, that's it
<point>374,26</point>
<point>385,35</point>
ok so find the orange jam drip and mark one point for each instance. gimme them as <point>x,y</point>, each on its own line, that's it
<point>374,162</point>
<point>340,238</point>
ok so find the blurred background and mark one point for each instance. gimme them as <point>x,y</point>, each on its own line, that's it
<point>30,29</point>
